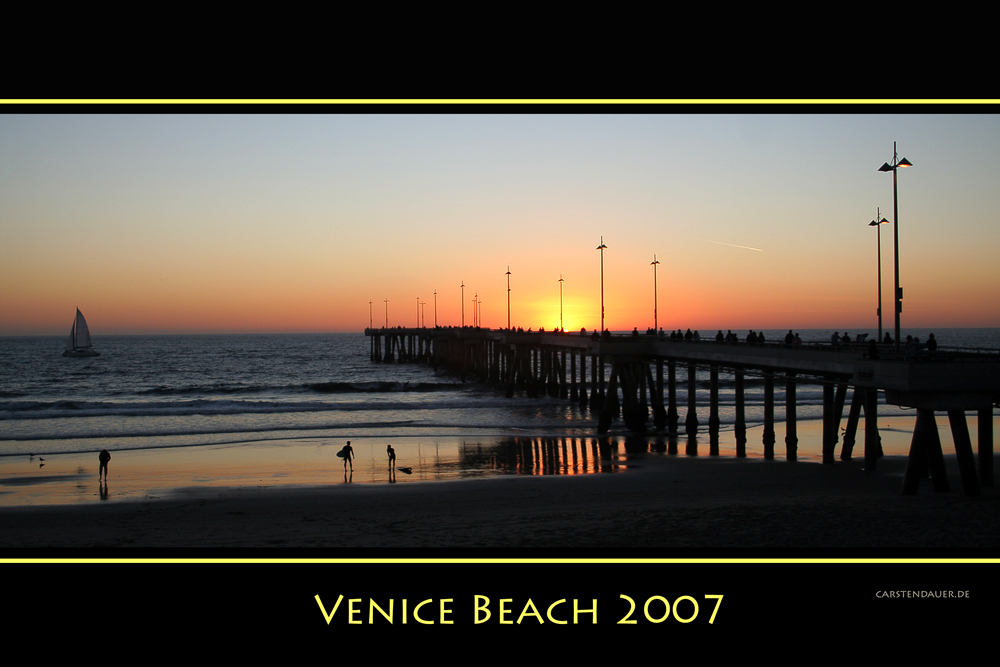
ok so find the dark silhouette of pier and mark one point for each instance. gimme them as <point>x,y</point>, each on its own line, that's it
<point>636,377</point>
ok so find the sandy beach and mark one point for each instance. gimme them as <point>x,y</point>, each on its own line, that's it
<point>656,503</point>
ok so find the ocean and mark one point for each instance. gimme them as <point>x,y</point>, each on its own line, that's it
<point>170,391</point>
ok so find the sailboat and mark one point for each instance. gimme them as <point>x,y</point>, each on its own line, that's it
<point>78,344</point>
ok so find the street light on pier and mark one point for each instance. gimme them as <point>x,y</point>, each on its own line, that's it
<point>602,248</point>
<point>387,313</point>
<point>418,312</point>
<point>656,323</point>
<point>896,164</point>
<point>435,309</point>
<point>370,314</point>
<point>423,320</point>
<point>463,304</point>
<point>560,302</point>
<point>475,312</point>
<point>508,298</point>
<point>877,223</point>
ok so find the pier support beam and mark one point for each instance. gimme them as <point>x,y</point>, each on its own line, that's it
<point>925,455</point>
<point>873,442</point>
<point>768,439</point>
<point>596,383</point>
<point>963,452</point>
<point>741,422</point>
<point>713,415</point>
<point>672,416</point>
<point>656,396</point>
<point>985,429</point>
<point>829,425</point>
<point>611,405</point>
<point>691,423</point>
<point>791,428</point>
<point>853,415</point>
<point>574,396</point>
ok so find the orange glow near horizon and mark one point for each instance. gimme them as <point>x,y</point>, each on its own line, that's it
<point>294,223</point>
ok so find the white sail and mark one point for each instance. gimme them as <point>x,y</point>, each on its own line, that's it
<point>82,331</point>
<point>71,343</point>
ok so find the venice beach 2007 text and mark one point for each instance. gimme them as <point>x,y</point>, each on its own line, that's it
<point>504,611</point>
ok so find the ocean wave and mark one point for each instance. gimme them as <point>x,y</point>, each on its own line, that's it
<point>311,387</point>
<point>33,410</point>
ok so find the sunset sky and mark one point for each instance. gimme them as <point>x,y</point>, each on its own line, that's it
<point>232,222</point>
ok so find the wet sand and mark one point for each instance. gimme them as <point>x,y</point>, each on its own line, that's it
<point>653,504</point>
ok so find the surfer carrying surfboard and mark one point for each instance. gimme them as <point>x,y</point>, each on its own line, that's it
<point>347,453</point>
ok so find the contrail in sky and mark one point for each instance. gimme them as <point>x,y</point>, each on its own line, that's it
<point>732,244</point>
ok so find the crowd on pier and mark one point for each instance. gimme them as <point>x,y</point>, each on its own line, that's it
<point>913,349</point>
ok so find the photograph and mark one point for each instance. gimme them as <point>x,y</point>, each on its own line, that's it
<point>424,369</point>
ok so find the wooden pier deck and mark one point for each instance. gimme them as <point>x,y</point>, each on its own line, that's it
<point>633,376</point>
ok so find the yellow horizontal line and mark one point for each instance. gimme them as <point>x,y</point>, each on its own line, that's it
<point>500,101</point>
<point>502,561</point>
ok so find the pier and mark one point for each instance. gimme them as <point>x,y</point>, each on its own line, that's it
<point>635,378</point>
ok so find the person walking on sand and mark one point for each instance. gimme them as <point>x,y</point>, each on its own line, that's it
<point>104,457</point>
<point>348,453</point>
<point>392,455</point>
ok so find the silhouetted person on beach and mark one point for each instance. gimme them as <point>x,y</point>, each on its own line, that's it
<point>104,457</point>
<point>873,350</point>
<point>392,455</point>
<point>931,343</point>
<point>348,453</point>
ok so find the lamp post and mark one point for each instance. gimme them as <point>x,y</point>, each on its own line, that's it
<point>463,304</point>
<point>435,309</point>
<point>656,323</point>
<point>560,303</point>
<point>418,312</point>
<point>896,164</point>
<point>370,314</point>
<point>508,298</point>
<point>877,223</point>
<point>475,310</point>
<point>602,248</point>
<point>423,320</point>
<point>387,313</point>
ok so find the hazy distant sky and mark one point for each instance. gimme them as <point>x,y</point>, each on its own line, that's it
<point>295,222</point>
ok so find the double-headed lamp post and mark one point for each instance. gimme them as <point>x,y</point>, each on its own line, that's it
<point>877,223</point>
<point>602,248</point>
<point>560,303</point>
<point>508,298</point>
<point>893,167</point>
<point>656,322</point>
